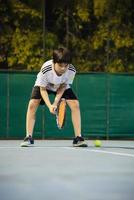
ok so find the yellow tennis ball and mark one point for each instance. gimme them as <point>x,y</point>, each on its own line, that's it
<point>97,143</point>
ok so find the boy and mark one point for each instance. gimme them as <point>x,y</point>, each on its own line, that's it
<point>55,77</point>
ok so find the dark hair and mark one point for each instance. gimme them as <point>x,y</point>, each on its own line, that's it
<point>61,55</point>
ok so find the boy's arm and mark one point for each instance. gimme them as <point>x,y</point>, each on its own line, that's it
<point>45,97</point>
<point>59,94</point>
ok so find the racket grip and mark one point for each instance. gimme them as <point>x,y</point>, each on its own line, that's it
<point>55,110</point>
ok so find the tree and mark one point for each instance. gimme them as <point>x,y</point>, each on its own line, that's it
<point>21,37</point>
<point>114,35</point>
<point>99,33</point>
<point>5,32</point>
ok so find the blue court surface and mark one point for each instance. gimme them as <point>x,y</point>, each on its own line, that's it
<point>53,169</point>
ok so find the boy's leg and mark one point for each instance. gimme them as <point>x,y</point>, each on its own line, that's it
<point>76,119</point>
<point>76,116</point>
<point>30,116</point>
<point>30,122</point>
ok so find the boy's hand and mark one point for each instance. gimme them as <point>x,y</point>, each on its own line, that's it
<point>52,108</point>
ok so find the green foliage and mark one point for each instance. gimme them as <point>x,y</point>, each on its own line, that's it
<point>114,33</point>
<point>51,42</point>
<point>99,33</point>
<point>26,51</point>
<point>82,10</point>
<point>99,7</point>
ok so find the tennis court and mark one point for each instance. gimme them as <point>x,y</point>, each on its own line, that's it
<point>53,169</point>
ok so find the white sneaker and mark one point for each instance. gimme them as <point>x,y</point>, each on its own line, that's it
<point>28,142</point>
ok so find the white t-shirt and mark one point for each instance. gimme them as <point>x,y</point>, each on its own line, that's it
<point>48,78</point>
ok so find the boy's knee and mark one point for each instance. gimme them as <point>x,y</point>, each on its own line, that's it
<point>74,104</point>
<point>33,104</point>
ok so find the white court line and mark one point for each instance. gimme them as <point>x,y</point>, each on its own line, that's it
<point>70,148</point>
<point>31,147</point>
<point>101,151</point>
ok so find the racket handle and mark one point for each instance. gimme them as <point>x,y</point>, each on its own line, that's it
<point>63,99</point>
<point>55,110</point>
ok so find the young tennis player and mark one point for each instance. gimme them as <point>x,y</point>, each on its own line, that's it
<point>55,77</point>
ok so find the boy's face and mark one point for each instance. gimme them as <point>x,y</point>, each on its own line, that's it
<point>60,68</point>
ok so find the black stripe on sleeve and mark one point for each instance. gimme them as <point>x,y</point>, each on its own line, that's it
<point>72,69</point>
<point>46,69</point>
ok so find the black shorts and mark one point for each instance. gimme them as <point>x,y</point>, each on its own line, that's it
<point>68,94</point>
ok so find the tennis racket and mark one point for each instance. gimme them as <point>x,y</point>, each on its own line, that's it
<point>61,113</point>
